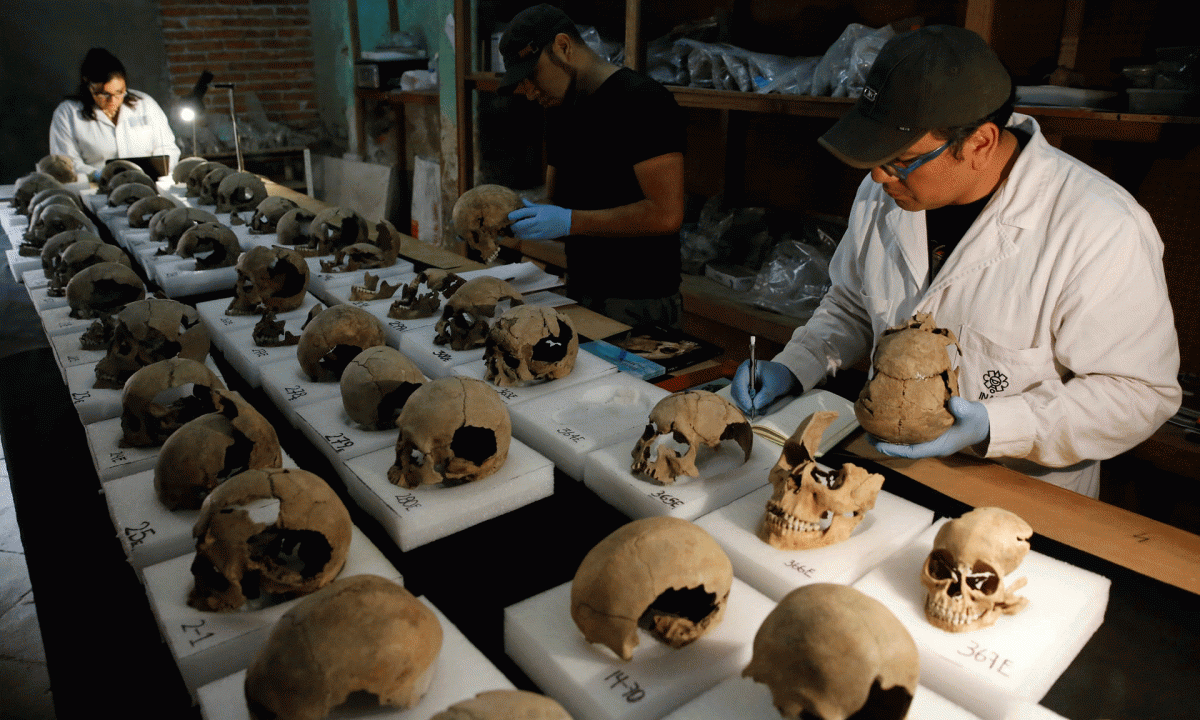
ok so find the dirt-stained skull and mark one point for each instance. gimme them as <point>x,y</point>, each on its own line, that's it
<point>505,705</point>
<point>195,178</point>
<point>210,448</point>
<point>376,385</point>
<point>111,169</point>
<point>271,279</point>
<point>51,195</point>
<point>129,193</point>
<point>211,184</point>
<point>29,185</point>
<point>59,167</point>
<point>528,344</point>
<point>453,430</point>
<point>687,420</point>
<point>57,244</point>
<point>79,255</point>
<point>186,165</point>
<point>335,337</point>
<point>273,531</point>
<point>811,506</point>
<point>146,331</point>
<point>336,228</point>
<point>423,295</point>
<point>663,574</point>
<point>239,192</point>
<point>292,227</point>
<point>172,224</point>
<point>830,652</point>
<point>267,214</point>
<point>366,255</point>
<point>359,634</point>
<point>212,244</point>
<point>913,379</point>
<point>162,396</point>
<point>966,573</point>
<point>143,209</point>
<point>481,217</point>
<point>52,220</point>
<point>464,322</point>
<point>103,289</point>
<point>125,177</point>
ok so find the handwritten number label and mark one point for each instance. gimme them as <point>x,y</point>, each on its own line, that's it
<point>261,352</point>
<point>197,630</point>
<point>79,397</point>
<point>666,499</point>
<point>137,535</point>
<point>339,442</point>
<point>295,392</point>
<point>990,658</point>
<point>571,435</point>
<point>443,356</point>
<point>116,458</point>
<point>628,688</point>
<point>506,393</point>
<point>397,325</point>
<point>801,568</point>
<point>408,501</point>
<point>226,321</point>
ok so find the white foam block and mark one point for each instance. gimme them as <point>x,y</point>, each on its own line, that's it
<point>14,224</point>
<point>249,359</point>
<point>435,360</point>
<point>220,325</point>
<point>592,683</point>
<point>130,238</point>
<point>421,515</point>
<point>890,526</point>
<point>290,388</point>
<point>587,367</point>
<point>743,698</point>
<point>566,426</point>
<point>57,321</point>
<point>92,403</point>
<point>459,673</point>
<point>40,295</point>
<point>34,279</point>
<point>20,264</point>
<point>330,429</point>
<point>336,287</point>
<point>181,278</point>
<point>724,477</point>
<point>1018,658</point>
<point>111,460</point>
<point>68,352</point>
<point>96,201</point>
<point>208,646</point>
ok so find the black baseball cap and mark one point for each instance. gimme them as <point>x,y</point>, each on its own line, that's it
<point>934,77</point>
<point>521,44</point>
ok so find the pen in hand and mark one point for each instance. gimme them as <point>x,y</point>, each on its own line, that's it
<point>753,382</point>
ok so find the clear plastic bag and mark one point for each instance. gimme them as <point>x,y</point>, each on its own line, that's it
<point>794,278</point>
<point>843,68</point>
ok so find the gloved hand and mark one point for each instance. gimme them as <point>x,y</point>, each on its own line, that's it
<point>95,176</point>
<point>774,380</point>
<point>971,426</point>
<point>540,222</point>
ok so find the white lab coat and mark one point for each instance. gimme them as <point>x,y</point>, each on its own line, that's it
<point>139,132</point>
<point>1058,298</point>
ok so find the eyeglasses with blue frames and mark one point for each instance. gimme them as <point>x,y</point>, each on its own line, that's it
<point>901,172</point>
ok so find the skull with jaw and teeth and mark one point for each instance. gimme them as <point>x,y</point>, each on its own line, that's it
<point>965,573</point>
<point>662,574</point>
<point>693,418</point>
<point>212,244</point>
<point>146,331</point>
<point>423,295</point>
<point>464,324</point>
<point>811,507</point>
<point>269,279</point>
<point>481,217</point>
<point>240,191</point>
<point>530,343</point>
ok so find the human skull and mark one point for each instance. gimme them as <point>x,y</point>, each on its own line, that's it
<point>103,289</point>
<point>913,379</point>
<point>180,172</point>
<point>336,228</point>
<point>811,507</point>
<point>59,167</point>
<point>481,216</point>
<point>830,652</point>
<point>210,185</point>
<point>111,169</point>
<point>210,448</point>
<point>366,255</point>
<point>162,396</point>
<point>692,418</point>
<point>292,227</point>
<point>174,223</point>
<point>360,634</point>
<point>143,209</point>
<point>423,295</point>
<point>965,573</point>
<point>530,343</point>
<point>125,177</point>
<point>195,178</point>
<point>464,324</point>
<point>505,705</point>
<point>267,214</point>
<point>376,385</point>
<point>212,244</point>
<point>334,337</point>
<point>454,430</point>
<point>240,191</point>
<point>29,185</point>
<point>52,220</point>
<point>80,255</point>
<point>57,244</point>
<point>269,279</point>
<point>663,574</point>
<point>58,194</point>
<point>147,331</point>
<point>279,531</point>
<point>129,193</point>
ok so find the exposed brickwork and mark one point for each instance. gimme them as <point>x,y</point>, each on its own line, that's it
<point>263,46</point>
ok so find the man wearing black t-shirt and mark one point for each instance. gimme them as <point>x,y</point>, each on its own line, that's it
<point>614,174</point>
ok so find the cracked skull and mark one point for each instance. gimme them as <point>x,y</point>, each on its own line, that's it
<point>423,295</point>
<point>213,245</point>
<point>103,289</point>
<point>965,573</point>
<point>810,506</point>
<point>912,380</point>
<point>464,321</point>
<point>530,343</point>
<point>171,225</point>
<point>830,652</point>
<point>59,167</point>
<point>334,229</point>
<point>79,256</point>
<point>360,634</point>
<point>376,385</point>
<point>453,430</point>
<point>481,217</point>
<point>664,575</point>
<point>267,532</point>
<point>267,214</point>
<point>146,331</point>
<point>505,705</point>
<point>142,210</point>
<point>159,398</point>
<point>687,421</point>
<point>334,337</point>
<point>269,279</point>
<point>239,192</point>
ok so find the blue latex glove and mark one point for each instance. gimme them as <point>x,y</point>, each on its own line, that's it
<point>540,222</point>
<point>95,176</point>
<point>971,426</point>
<point>774,380</point>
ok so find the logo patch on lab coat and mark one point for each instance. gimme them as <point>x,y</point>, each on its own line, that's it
<point>995,382</point>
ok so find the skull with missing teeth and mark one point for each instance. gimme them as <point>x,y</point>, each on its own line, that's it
<point>423,295</point>
<point>812,507</point>
<point>688,420</point>
<point>965,574</point>
<point>160,398</point>
<point>481,217</point>
<point>528,344</point>
<point>269,279</point>
<point>146,331</point>
<point>464,321</point>
<point>664,575</point>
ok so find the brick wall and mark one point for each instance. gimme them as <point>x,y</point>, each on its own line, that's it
<point>263,46</point>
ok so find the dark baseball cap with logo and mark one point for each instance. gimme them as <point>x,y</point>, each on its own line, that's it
<point>521,44</point>
<point>934,77</point>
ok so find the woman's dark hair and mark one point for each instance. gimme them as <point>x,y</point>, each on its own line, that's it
<point>99,66</point>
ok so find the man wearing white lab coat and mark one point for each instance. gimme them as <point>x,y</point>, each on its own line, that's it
<point>1052,281</point>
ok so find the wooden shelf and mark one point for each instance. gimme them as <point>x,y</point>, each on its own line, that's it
<point>417,97</point>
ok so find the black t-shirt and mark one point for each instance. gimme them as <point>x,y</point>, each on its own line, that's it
<point>593,145</point>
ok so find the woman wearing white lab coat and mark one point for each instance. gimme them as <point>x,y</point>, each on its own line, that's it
<point>106,120</point>
<point>1058,298</point>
